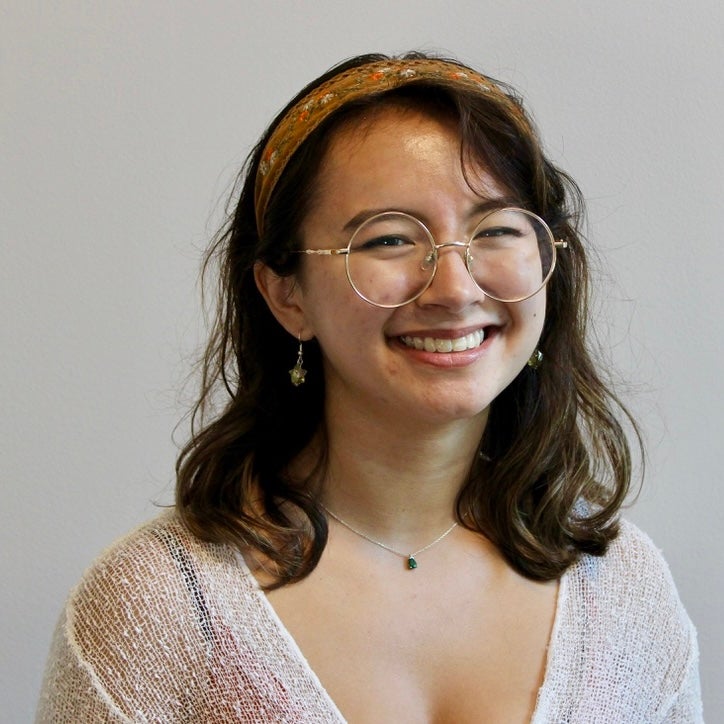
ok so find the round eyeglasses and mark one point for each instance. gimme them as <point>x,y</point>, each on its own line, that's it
<point>392,257</point>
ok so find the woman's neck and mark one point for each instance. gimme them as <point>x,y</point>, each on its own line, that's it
<point>399,480</point>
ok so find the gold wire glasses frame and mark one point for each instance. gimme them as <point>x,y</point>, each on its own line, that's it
<point>392,257</point>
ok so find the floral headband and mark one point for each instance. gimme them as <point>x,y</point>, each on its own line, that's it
<point>350,85</point>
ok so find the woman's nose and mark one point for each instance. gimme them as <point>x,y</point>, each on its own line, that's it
<point>451,286</point>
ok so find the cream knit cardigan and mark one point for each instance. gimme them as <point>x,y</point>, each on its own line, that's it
<point>166,628</point>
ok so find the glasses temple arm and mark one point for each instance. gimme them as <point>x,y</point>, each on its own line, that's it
<point>326,252</point>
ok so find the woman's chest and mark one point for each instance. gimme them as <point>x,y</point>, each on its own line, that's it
<point>459,652</point>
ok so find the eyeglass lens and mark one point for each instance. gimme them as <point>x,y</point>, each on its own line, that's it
<point>392,257</point>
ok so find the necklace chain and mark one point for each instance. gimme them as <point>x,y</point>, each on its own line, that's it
<point>411,560</point>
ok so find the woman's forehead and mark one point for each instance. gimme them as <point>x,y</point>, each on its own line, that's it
<point>401,151</point>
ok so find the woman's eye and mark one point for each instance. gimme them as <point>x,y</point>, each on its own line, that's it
<point>388,241</point>
<point>497,232</point>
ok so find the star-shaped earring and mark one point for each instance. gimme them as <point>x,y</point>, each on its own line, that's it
<point>298,373</point>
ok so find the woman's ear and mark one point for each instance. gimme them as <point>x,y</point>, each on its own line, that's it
<point>281,294</point>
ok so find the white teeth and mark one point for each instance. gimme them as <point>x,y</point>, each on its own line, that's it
<point>460,344</point>
<point>438,344</point>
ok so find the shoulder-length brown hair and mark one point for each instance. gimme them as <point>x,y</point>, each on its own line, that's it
<point>555,465</point>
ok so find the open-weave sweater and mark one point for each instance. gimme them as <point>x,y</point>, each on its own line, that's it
<point>166,628</point>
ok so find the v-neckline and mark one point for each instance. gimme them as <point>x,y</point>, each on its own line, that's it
<point>287,637</point>
<point>285,634</point>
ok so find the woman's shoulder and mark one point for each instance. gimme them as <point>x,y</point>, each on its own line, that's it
<point>151,553</point>
<point>159,566</point>
<point>623,635</point>
<point>136,632</point>
<point>632,567</point>
<point>630,586</point>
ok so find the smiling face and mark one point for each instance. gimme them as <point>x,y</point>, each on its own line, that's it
<point>449,353</point>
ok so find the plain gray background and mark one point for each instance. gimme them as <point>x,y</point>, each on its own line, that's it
<point>123,124</point>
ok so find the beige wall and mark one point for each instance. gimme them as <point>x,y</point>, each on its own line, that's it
<point>123,124</point>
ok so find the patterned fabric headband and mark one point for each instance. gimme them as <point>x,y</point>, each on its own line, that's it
<point>350,85</point>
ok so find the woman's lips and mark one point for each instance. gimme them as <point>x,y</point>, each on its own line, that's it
<point>445,344</point>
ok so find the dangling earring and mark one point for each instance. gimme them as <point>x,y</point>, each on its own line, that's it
<point>298,373</point>
<point>536,359</point>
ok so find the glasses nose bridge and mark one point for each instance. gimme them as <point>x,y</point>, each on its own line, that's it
<point>452,244</point>
<point>445,244</point>
<point>464,246</point>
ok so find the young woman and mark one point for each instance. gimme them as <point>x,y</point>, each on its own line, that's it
<point>405,505</point>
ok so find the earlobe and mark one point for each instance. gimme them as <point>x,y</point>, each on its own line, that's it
<point>282,295</point>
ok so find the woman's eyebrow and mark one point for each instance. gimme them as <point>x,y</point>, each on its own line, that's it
<point>501,202</point>
<point>477,210</point>
<point>365,214</point>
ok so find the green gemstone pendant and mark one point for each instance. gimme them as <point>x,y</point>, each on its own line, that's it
<point>411,563</point>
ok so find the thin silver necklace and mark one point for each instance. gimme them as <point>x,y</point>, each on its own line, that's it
<point>409,557</point>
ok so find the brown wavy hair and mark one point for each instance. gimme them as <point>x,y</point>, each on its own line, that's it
<point>555,464</point>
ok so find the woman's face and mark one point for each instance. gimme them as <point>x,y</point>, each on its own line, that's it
<point>408,161</point>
